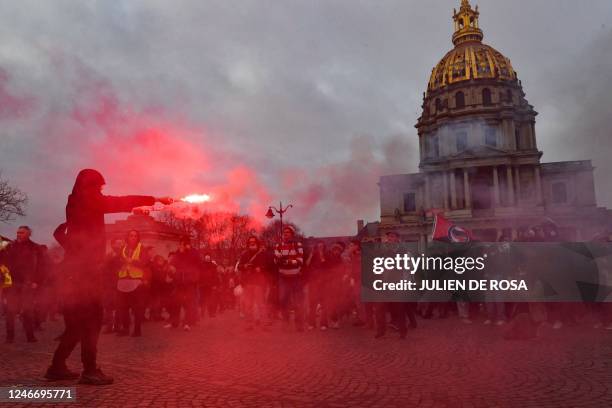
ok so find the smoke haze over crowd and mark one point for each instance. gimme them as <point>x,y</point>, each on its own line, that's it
<point>258,101</point>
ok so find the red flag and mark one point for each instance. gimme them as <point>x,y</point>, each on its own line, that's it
<point>445,230</point>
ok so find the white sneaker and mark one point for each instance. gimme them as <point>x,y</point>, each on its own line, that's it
<point>187,327</point>
<point>310,328</point>
<point>557,325</point>
<point>323,328</point>
<point>487,322</point>
<point>167,326</point>
<point>609,327</point>
<point>500,323</point>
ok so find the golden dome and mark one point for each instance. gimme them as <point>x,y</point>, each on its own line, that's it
<point>470,59</point>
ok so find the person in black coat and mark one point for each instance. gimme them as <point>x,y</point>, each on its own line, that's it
<point>188,267</point>
<point>84,242</point>
<point>252,270</point>
<point>318,269</point>
<point>209,286</point>
<point>25,262</point>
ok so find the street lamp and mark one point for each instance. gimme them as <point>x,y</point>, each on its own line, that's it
<point>281,211</point>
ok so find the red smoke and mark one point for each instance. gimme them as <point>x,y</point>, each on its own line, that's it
<point>158,151</point>
<point>153,152</point>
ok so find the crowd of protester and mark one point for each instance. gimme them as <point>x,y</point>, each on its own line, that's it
<point>314,288</point>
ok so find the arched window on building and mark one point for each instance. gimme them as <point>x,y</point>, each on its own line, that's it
<point>459,100</point>
<point>486,97</point>
<point>433,148</point>
<point>438,105</point>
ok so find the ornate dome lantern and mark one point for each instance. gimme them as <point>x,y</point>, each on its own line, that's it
<point>470,59</point>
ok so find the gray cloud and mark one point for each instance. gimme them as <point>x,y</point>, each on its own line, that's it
<point>285,87</point>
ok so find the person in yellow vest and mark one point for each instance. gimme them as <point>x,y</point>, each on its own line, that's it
<point>6,280</point>
<point>132,281</point>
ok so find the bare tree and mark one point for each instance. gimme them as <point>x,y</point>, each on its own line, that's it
<point>12,201</point>
<point>223,234</point>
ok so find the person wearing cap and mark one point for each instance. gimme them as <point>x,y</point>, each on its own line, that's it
<point>84,243</point>
<point>289,259</point>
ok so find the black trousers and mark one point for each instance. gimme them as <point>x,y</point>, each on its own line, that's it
<point>317,294</point>
<point>410,311</point>
<point>19,300</point>
<point>83,324</point>
<point>184,297</point>
<point>398,316</point>
<point>135,301</point>
<point>208,300</point>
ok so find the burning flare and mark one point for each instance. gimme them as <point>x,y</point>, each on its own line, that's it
<point>196,198</point>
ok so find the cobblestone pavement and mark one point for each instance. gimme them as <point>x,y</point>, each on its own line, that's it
<point>442,363</point>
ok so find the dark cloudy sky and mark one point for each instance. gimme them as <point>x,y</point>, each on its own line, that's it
<point>305,101</point>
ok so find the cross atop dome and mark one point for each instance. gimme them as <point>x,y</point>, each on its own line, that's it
<point>466,24</point>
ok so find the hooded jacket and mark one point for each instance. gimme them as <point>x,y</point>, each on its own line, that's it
<point>85,232</point>
<point>85,238</point>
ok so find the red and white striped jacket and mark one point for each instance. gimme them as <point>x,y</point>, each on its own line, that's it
<point>289,258</point>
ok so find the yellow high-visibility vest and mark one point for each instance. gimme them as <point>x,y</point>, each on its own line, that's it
<point>6,280</point>
<point>128,270</point>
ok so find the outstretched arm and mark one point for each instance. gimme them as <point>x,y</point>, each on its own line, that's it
<point>128,203</point>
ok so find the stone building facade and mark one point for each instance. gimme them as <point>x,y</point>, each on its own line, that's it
<point>479,158</point>
<point>156,235</point>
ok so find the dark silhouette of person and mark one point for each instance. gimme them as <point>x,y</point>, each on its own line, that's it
<point>25,260</point>
<point>84,242</point>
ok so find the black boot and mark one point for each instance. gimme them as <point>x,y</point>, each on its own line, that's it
<point>96,377</point>
<point>60,373</point>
